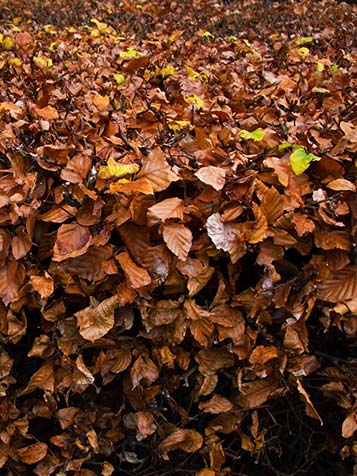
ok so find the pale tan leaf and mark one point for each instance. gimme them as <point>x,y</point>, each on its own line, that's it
<point>349,426</point>
<point>72,240</point>
<point>21,243</point>
<point>339,286</point>
<point>162,211</point>
<point>157,171</point>
<point>226,236</point>
<point>210,175</point>
<point>138,277</point>
<point>31,454</point>
<point>178,239</point>
<point>48,113</point>
<point>101,102</point>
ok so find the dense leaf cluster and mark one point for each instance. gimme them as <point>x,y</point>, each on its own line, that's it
<point>178,248</point>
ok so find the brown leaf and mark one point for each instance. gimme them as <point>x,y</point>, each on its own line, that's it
<point>12,275</point>
<point>178,239</point>
<point>296,337</point>
<point>341,184</point>
<point>43,285</point>
<point>340,285</point>
<point>145,424</point>
<point>189,441</point>
<point>72,240</point>
<point>95,322</point>
<point>349,426</point>
<point>76,169</point>
<point>66,416</point>
<point>253,394</point>
<point>216,404</point>
<point>137,277</point>
<point>211,360</point>
<point>42,379</point>
<point>261,355</point>
<point>310,409</point>
<point>210,175</point>
<point>143,369</point>
<point>33,453</point>
<point>21,243</point>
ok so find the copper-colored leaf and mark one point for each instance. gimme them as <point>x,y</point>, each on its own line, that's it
<point>42,379</point>
<point>31,454</point>
<point>101,102</point>
<point>145,424</point>
<point>12,275</point>
<point>72,240</point>
<point>340,285</point>
<point>349,425</point>
<point>162,211</point>
<point>136,276</point>
<point>216,404</point>
<point>143,369</point>
<point>253,394</point>
<point>178,239</point>
<point>261,355</point>
<point>48,113</point>
<point>310,409</point>
<point>214,176</point>
<point>186,440</point>
<point>156,171</point>
<point>43,285</point>
<point>95,322</point>
<point>341,184</point>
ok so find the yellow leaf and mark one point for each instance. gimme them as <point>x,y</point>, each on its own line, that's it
<point>114,169</point>
<point>192,74</point>
<point>177,126</point>
<point>167,71</point>
<point>17,20</point>
<point>195,100</point>
<point>207,34</point>
<point>7,43</point>
<point>53,46</point>
<point>15,62</point>
<point>129,53</point>
<point>320,66</point>
<point>42,62</point>
<point>304,51</point>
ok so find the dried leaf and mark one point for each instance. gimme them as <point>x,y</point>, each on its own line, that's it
<point>137,277</point>
<point>214,176</point>
<point>349,425</point>
<point>72,240</point>
<point>31,454</point>
<point>339,286</point>
<point>189,441</point>
<point>310,409</point>
<point>178,239</point>
<point>95,322</point>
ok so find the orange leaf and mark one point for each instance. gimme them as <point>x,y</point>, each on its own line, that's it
<point>141,185</point>
<point>12,275</point>
<point>145,424</point>
<point>101,102</point>
<point>157,171</point>
<point>253,394</point>
<point>210,175</point>
<point>48,113</point>
<point>162,211</point>
<point>341,184</point>
<point>136,276</point>
<point>143,369</point>
<point>43,285</point>
<point>178,239</point>
<point>72,240</point>
<point>261,354</point>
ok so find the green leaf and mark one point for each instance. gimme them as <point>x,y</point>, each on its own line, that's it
<point>300,160</point>
<point>207,34</point>
<point>285,145</point>
<point>256,135</point>
<point>333,68</point>
<point>232,38</point>
<point>119,78</point>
